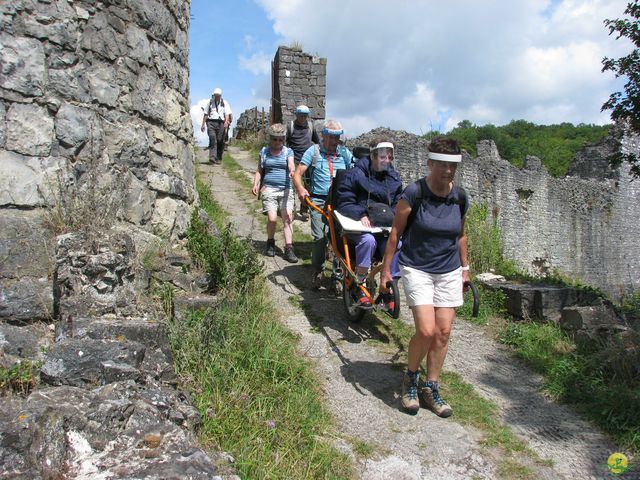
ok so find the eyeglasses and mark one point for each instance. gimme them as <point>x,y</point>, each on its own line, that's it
<point>277,139</point>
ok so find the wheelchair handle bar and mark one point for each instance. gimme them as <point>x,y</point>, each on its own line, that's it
<point>476,298</point>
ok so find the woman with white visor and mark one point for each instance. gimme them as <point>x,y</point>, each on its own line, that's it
<point>434,267</point>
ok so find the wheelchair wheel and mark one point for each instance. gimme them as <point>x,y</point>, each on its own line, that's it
<point>354,312</point>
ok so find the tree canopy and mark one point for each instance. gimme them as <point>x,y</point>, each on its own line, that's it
<point>555,145</point>
<point>625,106</point>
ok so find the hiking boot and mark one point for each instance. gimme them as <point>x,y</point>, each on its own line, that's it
<point>430,396</point>
<point>289,255</point>
<point>409,400</point>
<point>316,280</point>
<point>388,301</point>
<point>363,300</point>
<point>270,251</point>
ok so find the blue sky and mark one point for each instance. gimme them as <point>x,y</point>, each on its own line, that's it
<point>415,65</point>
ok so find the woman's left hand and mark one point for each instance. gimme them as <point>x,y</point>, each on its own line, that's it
<point>466,277</point>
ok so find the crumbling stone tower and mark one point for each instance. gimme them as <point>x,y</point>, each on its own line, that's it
<point>297,78</point>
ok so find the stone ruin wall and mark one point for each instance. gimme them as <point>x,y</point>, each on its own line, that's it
<point>94,114</point>
<point>583,226</point>
<point>99,87</point>
<point>298,78</point>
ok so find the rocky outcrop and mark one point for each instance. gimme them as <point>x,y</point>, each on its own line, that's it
<point>96,392</point>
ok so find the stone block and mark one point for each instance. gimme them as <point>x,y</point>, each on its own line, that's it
<point>25,342</point>
<point>73,125</point>
<point>520,300</point>
<point>51,21</point>
<point>153,16</point>
<point>102,84</point>
<point>25,245</point>
<point>138,201</point>
<point>183,305</point>
<point>589,319</point>
<point>148,96</point>
<point>29,129</point>
<point>150,333</point>
<point>70,83</point>
<point>550,300</point>
<point>27,181</point>
<point>101,38</point>
<point>22,63</point>
<point>138,43</point>
<point>79,362</point>
<point>127,142</point>
<point>170,217</point>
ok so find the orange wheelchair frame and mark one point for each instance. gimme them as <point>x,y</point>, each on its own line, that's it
<point>350,282</point>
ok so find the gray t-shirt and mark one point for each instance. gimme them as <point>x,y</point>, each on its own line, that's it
<point>430,243</point>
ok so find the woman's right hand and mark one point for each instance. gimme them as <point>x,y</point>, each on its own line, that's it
<point>255,188</point>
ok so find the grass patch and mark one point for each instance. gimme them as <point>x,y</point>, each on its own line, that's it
<point>258,399</point>
<point>599,378</point>
<point>21,378</point>
<point>508,468</point>
<point>492,304</point>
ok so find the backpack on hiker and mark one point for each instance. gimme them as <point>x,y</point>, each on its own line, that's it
<point>424,193</point>
<point>290,131</point>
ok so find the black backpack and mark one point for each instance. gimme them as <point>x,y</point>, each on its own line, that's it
<point>290,130</point>
<point>423,192</point>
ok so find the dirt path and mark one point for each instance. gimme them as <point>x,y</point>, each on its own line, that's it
<point>361,382</point>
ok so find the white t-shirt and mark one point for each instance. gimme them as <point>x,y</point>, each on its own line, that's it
<point>218,114</point>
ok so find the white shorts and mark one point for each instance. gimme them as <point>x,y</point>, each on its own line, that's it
<point>277,199</point>
<point>437,289</point>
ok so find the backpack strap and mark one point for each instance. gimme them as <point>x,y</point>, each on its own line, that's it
<point>289,131</point>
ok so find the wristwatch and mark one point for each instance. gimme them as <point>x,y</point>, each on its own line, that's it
<point>465,268</point>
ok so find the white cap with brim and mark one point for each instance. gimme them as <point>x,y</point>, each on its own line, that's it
<point>303,109</point>
<point>445,157</point>
<point>217,91</point>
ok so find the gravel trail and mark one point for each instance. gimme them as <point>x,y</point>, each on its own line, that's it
<point>361,379</point>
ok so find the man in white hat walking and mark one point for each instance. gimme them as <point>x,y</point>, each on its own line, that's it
<point>217,118</point>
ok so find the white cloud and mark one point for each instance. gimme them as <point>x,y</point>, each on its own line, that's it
<point>410,64</point>
<point>197,112</point>
<point>257,63</point>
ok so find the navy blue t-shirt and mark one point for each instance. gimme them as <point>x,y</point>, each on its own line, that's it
<point>430,243</point>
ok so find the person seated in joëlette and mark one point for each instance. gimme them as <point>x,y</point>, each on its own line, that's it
<point>369,193</point>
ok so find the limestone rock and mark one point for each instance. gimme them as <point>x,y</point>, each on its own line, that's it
<point>22,64</point>
<point>26,299</point>
<point>86,361</point>
<point>27,135</point>
<point>24,249</point>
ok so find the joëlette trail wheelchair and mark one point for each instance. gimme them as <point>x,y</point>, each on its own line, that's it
<point>344,254</point>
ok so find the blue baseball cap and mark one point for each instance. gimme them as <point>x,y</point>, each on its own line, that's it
<point>303,109</point>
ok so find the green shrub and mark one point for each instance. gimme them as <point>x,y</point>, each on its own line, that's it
<point>232,263</point>
<point>21,378</point>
